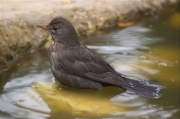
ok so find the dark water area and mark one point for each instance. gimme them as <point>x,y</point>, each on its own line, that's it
<point>149,50</point>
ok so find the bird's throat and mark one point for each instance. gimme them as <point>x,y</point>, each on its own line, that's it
<point>52,42</point>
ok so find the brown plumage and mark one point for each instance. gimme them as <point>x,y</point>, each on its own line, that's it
<point>73,64</point>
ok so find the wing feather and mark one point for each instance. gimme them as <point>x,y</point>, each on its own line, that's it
<point>85,64</point>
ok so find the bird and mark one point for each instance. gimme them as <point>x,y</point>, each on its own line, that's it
<point>74,65</point>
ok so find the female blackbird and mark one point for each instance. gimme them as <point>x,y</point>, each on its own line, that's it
<point>73,64</point>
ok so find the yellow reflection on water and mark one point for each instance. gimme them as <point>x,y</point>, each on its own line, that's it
<point>174,21</point>
<point>80,102</point>
<point>161,61</point>
<point>166,60</point>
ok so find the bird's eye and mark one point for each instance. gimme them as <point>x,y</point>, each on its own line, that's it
<point>54,28</point>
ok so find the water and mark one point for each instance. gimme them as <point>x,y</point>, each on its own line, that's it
<point>147,50</point>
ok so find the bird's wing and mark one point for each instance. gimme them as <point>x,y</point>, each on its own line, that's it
<point>83,63</point>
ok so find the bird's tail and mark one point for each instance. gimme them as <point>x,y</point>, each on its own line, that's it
<point>141,87</point>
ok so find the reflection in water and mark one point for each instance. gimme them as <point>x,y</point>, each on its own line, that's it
<point>17,99</point>
<point>148,50</point>
<point>70,102</point>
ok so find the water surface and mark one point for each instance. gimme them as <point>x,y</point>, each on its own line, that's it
<point>147,50</point>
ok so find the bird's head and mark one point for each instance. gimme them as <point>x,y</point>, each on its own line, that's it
<point>62,31</point>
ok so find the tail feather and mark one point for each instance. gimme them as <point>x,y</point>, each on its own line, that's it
<point>141,87</point>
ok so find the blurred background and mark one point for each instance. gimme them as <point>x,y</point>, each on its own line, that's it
<point>139,38</point>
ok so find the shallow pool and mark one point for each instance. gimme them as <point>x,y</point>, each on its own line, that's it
<point>148,50</point>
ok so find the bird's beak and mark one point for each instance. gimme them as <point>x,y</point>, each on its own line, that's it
<point>42,26</point>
